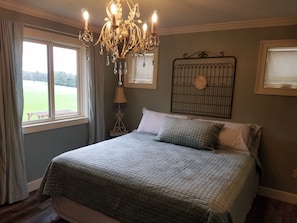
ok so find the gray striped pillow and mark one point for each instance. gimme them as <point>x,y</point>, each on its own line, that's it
<point>191,133</point>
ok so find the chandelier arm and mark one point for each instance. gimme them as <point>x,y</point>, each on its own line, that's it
<point>100,36</point>
<point>133,9</point>
<point>124,50</point>
<point>129,3</point>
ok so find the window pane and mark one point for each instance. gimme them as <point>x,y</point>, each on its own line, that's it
<point>142,68</point>
<point>65,76</point>
<point>35,81</point>
<point>281,68</point>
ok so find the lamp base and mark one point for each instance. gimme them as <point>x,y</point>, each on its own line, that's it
<point>117,133</point>
<point>119,127</point>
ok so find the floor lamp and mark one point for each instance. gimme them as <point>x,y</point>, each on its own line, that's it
<point>119,127</point>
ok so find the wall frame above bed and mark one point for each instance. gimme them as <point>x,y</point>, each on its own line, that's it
<point>203,85</point>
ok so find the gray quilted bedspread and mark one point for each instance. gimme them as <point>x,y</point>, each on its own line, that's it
<point>135,179</point>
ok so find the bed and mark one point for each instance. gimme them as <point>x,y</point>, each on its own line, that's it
<point>170,169</point>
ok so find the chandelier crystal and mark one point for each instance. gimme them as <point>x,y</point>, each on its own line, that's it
<point>119,36</point>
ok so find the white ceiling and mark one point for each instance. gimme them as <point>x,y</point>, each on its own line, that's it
<point>172,14</point>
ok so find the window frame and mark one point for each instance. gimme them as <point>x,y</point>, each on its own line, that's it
<point>36,35</point>
<point>264,47</point>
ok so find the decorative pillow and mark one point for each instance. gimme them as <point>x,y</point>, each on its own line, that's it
<point>191,133</point>
<point>151,121</point>
<point>233,136</point>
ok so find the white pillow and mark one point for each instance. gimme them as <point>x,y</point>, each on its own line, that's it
<point>233,136</point>
<point>151,121</point>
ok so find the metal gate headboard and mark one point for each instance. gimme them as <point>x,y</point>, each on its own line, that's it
<point>203,85</point>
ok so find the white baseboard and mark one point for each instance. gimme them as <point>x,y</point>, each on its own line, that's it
<point>263,191</point>
<point>278,195</point>
<point>34,185</point>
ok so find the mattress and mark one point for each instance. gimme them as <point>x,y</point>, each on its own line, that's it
<point>120,181</point>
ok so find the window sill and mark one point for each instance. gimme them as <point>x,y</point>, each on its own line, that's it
<point>43,126</point>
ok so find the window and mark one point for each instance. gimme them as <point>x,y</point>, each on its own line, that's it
<point>277,68</point>
<point>53,84</point>
<point>142,70</point>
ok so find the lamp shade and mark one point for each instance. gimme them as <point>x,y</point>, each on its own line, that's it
<point>119,95</point>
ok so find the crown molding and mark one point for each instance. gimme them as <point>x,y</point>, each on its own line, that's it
<point>29,10</point>
<point>284,21</point>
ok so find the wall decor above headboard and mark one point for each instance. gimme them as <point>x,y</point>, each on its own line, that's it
<point>203,85</point>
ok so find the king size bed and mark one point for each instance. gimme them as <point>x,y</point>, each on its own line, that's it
<point>171,169</point>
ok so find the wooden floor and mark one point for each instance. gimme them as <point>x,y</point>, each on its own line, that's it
<point>264,210</point>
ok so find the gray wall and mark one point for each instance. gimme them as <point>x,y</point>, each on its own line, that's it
<point>41,147</point>
<point>277,114</point>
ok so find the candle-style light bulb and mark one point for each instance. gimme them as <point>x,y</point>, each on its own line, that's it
<point>144,27</point>
<point>86,18</point>
<point>113,10</point>
<point>154,20</point>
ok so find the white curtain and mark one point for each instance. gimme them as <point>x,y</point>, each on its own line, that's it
<point>13,180</point>
<point>96,72</point>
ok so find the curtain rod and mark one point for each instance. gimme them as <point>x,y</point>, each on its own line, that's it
<point>50,30</point>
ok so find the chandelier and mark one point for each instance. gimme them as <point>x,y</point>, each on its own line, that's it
<point>119,36</point>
